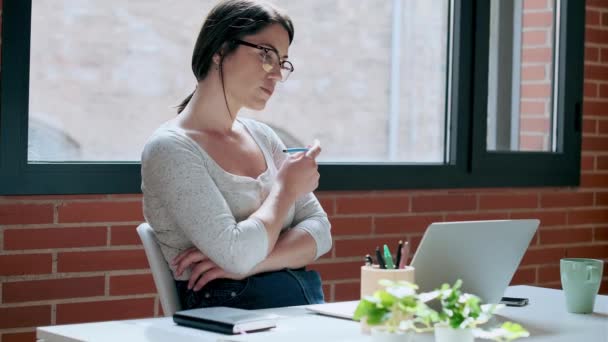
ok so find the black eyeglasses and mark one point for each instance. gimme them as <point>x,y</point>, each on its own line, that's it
<point>271,59</point>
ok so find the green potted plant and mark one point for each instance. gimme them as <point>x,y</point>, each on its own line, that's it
<point>398,309</point>
<point>462,313</point>
<point>388,309</point>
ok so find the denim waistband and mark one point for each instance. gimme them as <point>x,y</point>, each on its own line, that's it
<point>284,287</point>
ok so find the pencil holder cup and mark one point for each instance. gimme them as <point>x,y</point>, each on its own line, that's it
<point>371,275</point>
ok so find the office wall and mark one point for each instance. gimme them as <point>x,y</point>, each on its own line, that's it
<point>66,259</point>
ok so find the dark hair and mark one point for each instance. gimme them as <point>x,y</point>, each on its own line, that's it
<point>227,21</point>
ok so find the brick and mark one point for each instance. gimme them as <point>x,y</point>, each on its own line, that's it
<point>604,286</point>
<point>604,55</point>
<point>134,197</point>
<point>605,19</point>
<point>543,256</point>
<point>600,234</point>
<point>327,293</point>
<point>602,125</point>
<point>588,216</point>
<point>29,336</point>
<point>536,72</point>
<point>101,261</point>
<point>328,204</point>
<point>595,251</point>
<point>592,54</point>
<point>372,205</point>
<point>589,126</point>
<point>554,285</point>
<point>414,243</point>
<point>596,35</point>
<point>21,238</point>
<point>603,88</point>
<point>589,180</point>
<point>602,162</point>
<point>547,218</point>
<point>588,162</point>
<point>477,216</point>
<point>18,264</point>
<point>535,4</point>
<point>36,290</point>
<point>591,89</point>
<point>535,91</point>
<point>509,201</point>
<point>531,143</point>
<point>338,270</point>
<point>564,236</point>
<point>524,277</point>
<point>536,55</point>
<point>26,213</point>
<point>532,107</point>
<point>537,37</point>
<point>566,199</point>
<point>547,274</point>
<point>347,291</point>
<point>601,198</point>
<point>592,17</point>
<point>593,107</point>
<point>536,125</point>
<point>100,212</point>
<point>595,143</point>
<point>124,235</point>
<point>105,310</point>
<point>421,203</point>
<point>543,19</point>
<point>132,284</point>
<point>596,72</point>
<point>405,224</point>
<point>361,247</point>
<point>25,316</point>
<point>351,225</point>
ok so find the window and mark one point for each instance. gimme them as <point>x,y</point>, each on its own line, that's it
<point>402,94</point>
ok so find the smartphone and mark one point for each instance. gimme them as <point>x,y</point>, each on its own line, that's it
<point>513,301</point>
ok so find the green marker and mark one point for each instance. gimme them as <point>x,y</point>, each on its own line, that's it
<point>388,259</point>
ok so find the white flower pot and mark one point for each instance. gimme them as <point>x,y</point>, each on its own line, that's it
<point>379,334</point>
<point>448,334</point>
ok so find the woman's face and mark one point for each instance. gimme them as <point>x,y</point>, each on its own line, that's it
<point>246,82</point>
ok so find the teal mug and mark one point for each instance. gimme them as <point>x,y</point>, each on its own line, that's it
<point>581,279</point>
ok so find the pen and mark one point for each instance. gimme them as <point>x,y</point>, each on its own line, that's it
<point>398,258</point>
<point>379,257</point>
<point>405,254</point>
<point>295,149</point>
<point>368,260</point>
<point>388,258</point>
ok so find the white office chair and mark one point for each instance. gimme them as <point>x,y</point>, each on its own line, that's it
<point>163,279</point>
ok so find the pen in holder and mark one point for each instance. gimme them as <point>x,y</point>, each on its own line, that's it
<point>370,276</point>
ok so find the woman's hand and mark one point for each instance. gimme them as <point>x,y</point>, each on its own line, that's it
<point>299,174</point>
<point>203,269</point>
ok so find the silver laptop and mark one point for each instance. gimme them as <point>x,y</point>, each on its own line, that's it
<point>484,254</point>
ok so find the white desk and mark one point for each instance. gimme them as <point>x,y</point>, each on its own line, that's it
<point>545,317</point>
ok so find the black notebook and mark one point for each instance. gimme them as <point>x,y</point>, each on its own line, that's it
<point>225,320</point>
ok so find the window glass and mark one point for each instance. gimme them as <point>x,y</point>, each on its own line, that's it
<point>369,81</point>
<point>520,90</point>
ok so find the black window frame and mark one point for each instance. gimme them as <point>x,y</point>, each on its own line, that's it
<point>470,165</point>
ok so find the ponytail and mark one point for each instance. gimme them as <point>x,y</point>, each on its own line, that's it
<point>184,103</point>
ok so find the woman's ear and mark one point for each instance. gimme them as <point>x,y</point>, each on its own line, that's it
<point>217,58</point>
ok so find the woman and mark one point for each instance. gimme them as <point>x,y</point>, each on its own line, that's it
<point>235,216</point>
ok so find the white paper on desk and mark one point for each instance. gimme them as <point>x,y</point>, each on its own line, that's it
<point>344,310</point>
<point>306,328</point>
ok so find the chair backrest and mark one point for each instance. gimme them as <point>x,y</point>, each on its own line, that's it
<point>163,278</point>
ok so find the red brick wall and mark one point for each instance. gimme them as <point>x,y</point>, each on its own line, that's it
<point>66,259</point>
<point>536,75</point>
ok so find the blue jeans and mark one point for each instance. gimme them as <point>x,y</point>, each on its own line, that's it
<point>261,291</point>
